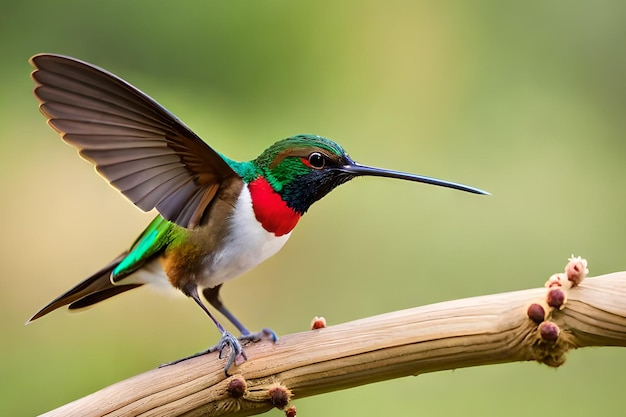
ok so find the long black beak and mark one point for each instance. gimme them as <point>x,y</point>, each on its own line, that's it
<point>357,170</point>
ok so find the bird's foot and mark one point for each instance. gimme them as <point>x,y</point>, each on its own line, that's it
<point>230,343</point>
<point>236,355</point>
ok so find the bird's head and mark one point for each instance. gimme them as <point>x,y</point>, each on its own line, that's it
<point>304,168</point>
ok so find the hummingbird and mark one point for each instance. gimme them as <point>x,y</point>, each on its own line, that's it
<point>217,218</point>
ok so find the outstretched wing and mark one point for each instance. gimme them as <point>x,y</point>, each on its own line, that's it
<point>137,145</point>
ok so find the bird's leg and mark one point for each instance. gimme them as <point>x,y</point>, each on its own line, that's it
<point>213,297</point>
<point>227,341</point>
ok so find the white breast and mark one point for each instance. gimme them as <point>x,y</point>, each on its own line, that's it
<point>247,245</point>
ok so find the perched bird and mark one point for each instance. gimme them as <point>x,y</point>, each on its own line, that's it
<point>217,218</point>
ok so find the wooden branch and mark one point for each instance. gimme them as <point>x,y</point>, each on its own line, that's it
<point>455,334</point>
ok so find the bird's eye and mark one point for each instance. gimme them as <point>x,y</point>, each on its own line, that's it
<point>317,160</point>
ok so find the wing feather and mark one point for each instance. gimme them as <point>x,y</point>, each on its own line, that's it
<point>142,149</point>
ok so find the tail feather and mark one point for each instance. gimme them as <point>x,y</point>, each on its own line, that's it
<point>101,295</point>
<point>96,288</point>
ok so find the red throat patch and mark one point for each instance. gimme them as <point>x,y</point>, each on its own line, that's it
<point>270,209</point>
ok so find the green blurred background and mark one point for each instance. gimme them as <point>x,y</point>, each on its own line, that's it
<point>524,99</point>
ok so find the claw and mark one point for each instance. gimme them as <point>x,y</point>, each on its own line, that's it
<point>236,350</point>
